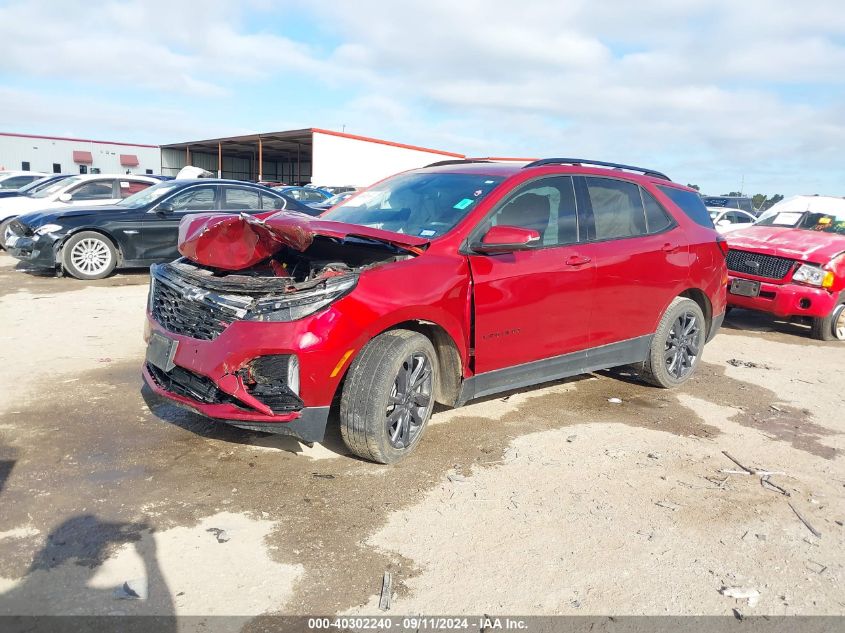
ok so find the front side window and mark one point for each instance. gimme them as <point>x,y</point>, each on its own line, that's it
<point>94,190</point>
<point>427,204</point>
<point>617,208</point>
<point>235,198</point>
<point>691,204</point>
<point>57,187</point>
<point>194,199</point>
<point>546,206</point>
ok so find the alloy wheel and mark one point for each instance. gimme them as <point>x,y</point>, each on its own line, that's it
<point>409,402</point>
<point>90,256</point>
<point>839,322</point>
<point>683,345</point>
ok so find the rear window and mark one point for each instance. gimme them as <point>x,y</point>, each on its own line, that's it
<point>690,203</point>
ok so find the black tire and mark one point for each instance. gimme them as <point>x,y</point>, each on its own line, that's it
<point>103,255</point>
<point>832,326</point>
<point>378,421</point>
<point>677,345</point>
<point>3,226</point>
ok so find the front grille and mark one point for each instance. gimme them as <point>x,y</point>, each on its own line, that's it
<point>180,314</point>
<point>759,265</point>
<point>186,383</point>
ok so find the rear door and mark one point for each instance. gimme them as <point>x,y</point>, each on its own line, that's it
<point>534,304</point>
<point>160,232</point>
<point>641,257</point>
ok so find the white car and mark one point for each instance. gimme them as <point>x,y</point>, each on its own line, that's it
<point>18,179</point>
<point>727,220</point>
<point>88,190</point>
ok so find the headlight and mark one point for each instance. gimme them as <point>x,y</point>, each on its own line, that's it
<point>813,275</point>
<point>297,305</point>
<point>47,228</point>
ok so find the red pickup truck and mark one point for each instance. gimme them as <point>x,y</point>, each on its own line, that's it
<point>789,264</point>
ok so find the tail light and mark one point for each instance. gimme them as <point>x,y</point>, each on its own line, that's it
<point>723,245</point>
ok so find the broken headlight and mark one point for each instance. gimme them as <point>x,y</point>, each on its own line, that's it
<point>813,276</point>
<point>297,305</point>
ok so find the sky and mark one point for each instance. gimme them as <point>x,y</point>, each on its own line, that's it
<point>728,95</point>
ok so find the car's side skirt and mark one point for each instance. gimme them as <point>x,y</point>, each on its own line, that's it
<point>627,352</point>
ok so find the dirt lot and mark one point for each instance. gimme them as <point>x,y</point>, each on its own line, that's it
<point>542,501</point>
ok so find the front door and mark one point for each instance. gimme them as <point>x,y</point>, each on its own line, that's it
<point>160,232</point>
<point>533,304</point>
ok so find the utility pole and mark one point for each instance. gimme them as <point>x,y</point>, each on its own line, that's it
<point>742,186</point>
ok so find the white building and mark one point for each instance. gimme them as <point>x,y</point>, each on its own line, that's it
<point>58,155</point>
<point>314,155</point>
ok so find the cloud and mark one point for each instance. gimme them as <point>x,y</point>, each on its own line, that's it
<point>710,89</point>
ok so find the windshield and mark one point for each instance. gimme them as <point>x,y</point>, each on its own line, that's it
<point>822,222</point>
<point>56,187</point>
<point>424,204</point>
<point>149,195</point>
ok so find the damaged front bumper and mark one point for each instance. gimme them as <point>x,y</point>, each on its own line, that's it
<point>210,352</point>
<point>37,251</point>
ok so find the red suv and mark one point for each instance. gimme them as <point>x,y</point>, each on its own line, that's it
<point>440,284</point>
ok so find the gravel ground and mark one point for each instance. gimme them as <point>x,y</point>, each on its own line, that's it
<point>543,501</point>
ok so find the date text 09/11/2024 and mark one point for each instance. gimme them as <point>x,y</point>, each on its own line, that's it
<point>418,623</point>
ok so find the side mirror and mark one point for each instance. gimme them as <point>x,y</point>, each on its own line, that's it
<point>506,239</point>
<point>65,197</point>
<point>164,208</point>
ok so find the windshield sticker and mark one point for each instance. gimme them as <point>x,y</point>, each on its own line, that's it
<point>787,219</point>
<point>463,204</point>
<point>427,233</point>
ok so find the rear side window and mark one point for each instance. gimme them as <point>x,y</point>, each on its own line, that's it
<point>129,187</point>
<point>617,208</point>
<point>690,203</point>
<point>94,190</point>
<point>271,202</point>
<point>656,218</point>
<point>237,198</point>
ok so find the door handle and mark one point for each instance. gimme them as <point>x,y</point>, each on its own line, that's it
<point>668,247</point>
<point>577,260</point>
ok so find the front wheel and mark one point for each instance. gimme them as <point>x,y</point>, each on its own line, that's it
<point>832,326</point>
<point>3,226</point>
<point>388,396</point>
<point>677,345</point>
<point>89,255</point>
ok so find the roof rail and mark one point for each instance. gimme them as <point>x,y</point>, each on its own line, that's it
<point>458,161</point>
<point>599,163</point>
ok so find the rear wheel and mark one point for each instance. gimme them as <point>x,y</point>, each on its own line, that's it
<point>388,396</point>
<point>89,255</point>
<point>677,345</point>
<point>832,326</point>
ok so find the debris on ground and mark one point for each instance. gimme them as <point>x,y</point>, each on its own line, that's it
<point>742,593</point>
<point>222,536</point>
<point>735,362</point>
<point>615,400</point>
<point>571,438</point>
<point>654,455</point>
<point>386,591</point>
<point>322,476</point>
<point>134,589</point>
<point>815,567</point>
<point>769,484</point>
<point>668,505</point>
<point>456,478</point>
<point>815,532</point>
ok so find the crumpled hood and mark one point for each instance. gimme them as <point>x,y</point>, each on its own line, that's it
<point>799,244</point>
<point>235,242</point>
<point>37,218</point>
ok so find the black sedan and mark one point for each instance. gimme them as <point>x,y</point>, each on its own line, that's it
<point>89,243</point>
